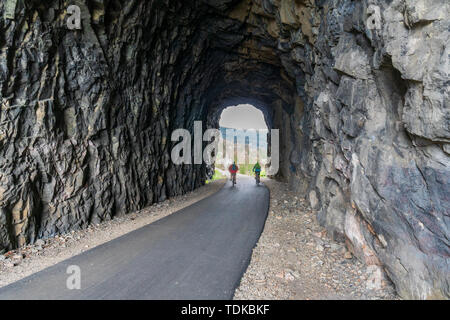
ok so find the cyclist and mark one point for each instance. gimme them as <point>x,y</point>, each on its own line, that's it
<point>257,171</point>
<point>233,171</point>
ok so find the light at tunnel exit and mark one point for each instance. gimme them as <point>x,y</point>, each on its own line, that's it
<point>243,116</point>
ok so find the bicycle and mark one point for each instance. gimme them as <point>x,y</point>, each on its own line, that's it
<point>233,179</point>
<point>258,178</point>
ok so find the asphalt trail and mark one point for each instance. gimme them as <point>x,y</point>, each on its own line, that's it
<point>200,252</point>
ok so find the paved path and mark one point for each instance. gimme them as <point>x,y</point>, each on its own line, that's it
<point>200,252</point>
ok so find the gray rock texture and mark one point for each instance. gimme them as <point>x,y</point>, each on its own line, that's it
<point>86,115</point>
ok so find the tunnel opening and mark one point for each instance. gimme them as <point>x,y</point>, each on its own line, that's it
<point>244,139</point>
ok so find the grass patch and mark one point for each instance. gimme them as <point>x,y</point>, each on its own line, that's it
<point>217,176</point>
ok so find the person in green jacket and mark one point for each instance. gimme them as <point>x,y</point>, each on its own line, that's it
<point>257,171</point>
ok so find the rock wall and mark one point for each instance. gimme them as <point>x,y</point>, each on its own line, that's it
<point>86,115</point>
<point>374,142</point>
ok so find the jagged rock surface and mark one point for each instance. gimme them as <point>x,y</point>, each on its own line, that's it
<point>86,116</point>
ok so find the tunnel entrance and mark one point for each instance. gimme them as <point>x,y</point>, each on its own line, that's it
<point>244,139</point>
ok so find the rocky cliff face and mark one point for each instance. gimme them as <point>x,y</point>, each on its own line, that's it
<point>86,115</point>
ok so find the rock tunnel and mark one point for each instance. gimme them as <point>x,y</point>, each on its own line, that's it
<point>86,115</point>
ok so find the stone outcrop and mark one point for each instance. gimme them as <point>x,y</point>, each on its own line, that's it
<point>86,115</point>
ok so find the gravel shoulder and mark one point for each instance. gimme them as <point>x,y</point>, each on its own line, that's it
<point>18,264</point>
<point>296,260</point>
